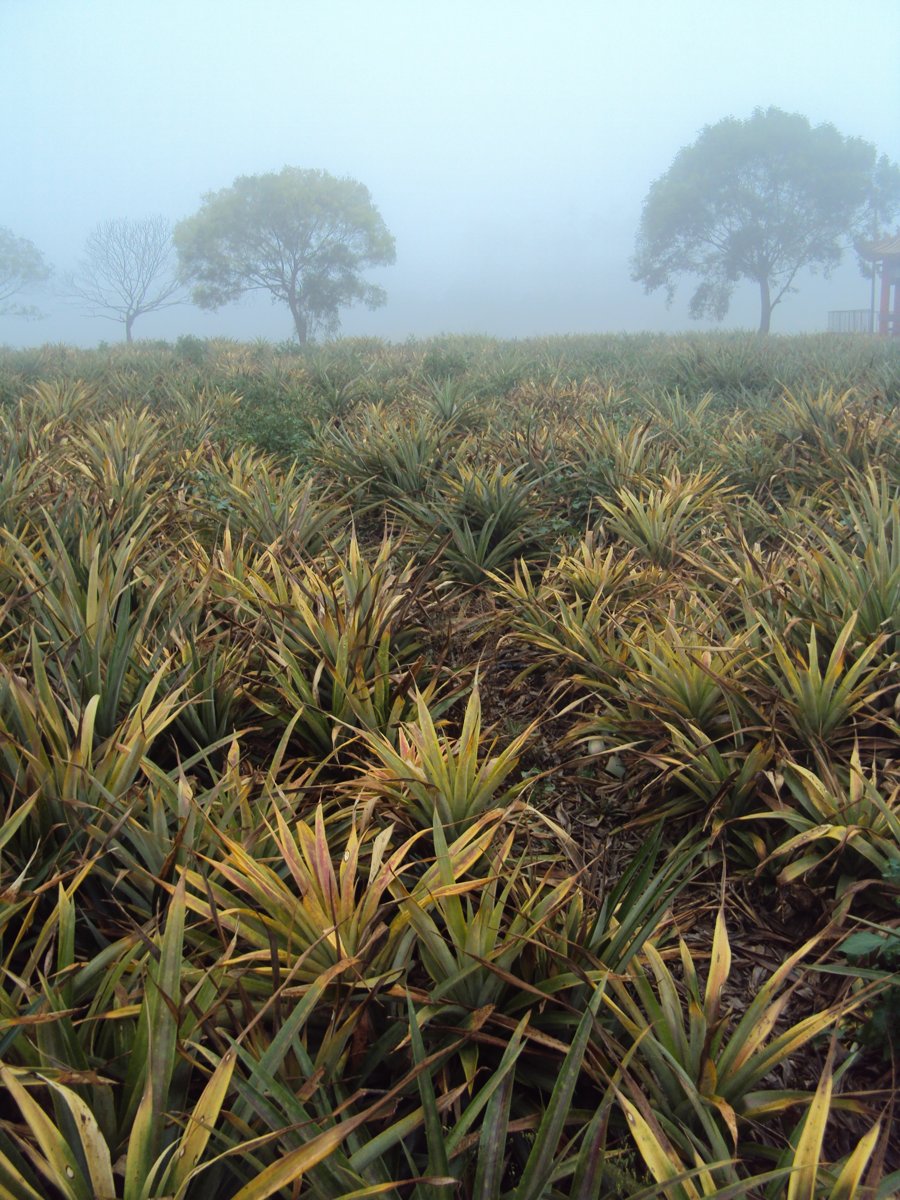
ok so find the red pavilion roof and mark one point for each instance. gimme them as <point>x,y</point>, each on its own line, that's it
<point>886,247</point>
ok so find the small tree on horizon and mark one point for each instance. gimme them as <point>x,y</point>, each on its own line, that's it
<point>301,235</point>
<point>22,266</point>
<point>129,269</point>
<point>759,200</point>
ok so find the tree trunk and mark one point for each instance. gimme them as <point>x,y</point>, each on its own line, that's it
<point>129,324</point>
<point>765,306</point>
<point>300,324</point>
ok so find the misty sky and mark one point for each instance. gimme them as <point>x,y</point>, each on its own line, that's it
<point>508,145</point>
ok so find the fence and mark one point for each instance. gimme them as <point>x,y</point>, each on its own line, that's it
<point>850,320</point>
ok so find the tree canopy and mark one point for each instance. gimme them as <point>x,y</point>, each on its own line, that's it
<point>22,266</point>
<point>128,269</point>
<point>301,235</point>
<point>759,200</point>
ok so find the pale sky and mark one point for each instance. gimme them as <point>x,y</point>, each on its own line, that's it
<point>508,145</point>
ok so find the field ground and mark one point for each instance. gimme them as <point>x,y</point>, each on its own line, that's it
<point>457,769</point>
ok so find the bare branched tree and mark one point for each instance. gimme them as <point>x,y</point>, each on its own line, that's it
<point>128,269</point>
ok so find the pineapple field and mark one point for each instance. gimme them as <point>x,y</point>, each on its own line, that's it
<point>457,770</point>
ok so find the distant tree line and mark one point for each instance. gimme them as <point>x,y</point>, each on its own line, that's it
<point>756,200</point>
<point>304,236</point>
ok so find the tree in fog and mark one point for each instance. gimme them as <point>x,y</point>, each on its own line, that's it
<point>759,200</point>
<point>304,236</point>
<point>22,266</point>
<point>129,268</point>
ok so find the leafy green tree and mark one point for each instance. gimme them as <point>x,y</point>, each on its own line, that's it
<point>759,200</point>
<point>21,266</point>
<point>301,235</point>
<point>128,269</point>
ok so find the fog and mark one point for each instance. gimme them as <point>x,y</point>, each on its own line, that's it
<point>508,146</point>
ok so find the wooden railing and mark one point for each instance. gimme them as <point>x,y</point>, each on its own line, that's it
<point>859,320</point>
<point>850,320</point>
